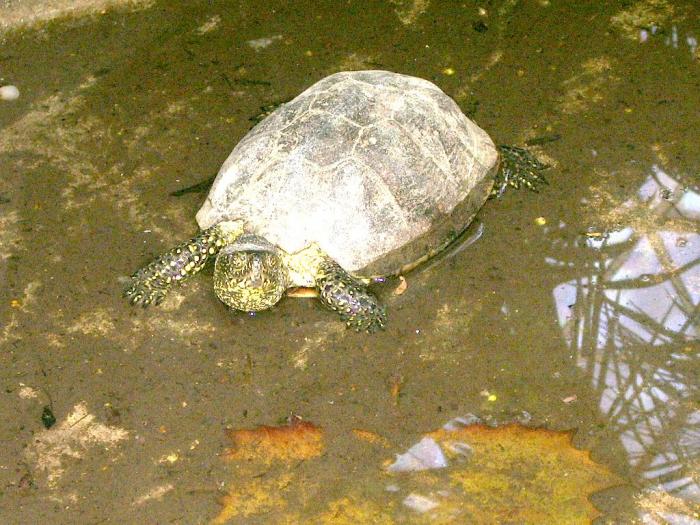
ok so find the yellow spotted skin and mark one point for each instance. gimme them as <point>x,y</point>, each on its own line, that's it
<point>348,297</point>
<point>249,281</point>
<point>250,274</point>
<point>151,283</point>
<point>518,168</point>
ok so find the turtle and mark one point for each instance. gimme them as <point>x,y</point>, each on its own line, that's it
<point>364,174</point>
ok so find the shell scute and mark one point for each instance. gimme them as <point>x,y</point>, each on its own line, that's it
<point>375,167</point>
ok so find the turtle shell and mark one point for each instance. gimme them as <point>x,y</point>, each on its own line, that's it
<point>381,170</point>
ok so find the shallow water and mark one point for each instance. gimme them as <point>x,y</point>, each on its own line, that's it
<point>576,308</point>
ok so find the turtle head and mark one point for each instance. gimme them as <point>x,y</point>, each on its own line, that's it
<point>250,274</point>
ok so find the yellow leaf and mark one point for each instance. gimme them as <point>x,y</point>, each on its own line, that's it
<point>252,498</point>
<point>370,437</point>
<point>350,511</point>
<point>520,474</point>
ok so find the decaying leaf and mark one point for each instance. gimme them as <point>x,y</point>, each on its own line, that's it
<point>296,441</point>
<point>489,475</point>
<point>396,383</point>
<point>274,451</point>
<point>519,474</point>
<point>253,497</point>
<point>352,511</point>
<point>370,437</point>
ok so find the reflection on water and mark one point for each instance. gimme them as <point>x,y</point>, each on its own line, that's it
<point>673,40</point>
<point>632,319</point>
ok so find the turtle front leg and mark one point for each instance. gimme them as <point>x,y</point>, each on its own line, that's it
<point>348,297</point>
<point>151,283</point>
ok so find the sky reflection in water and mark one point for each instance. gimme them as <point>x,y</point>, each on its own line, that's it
<point>633,322</point>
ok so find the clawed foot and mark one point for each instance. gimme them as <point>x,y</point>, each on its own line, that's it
<point>151,283</point>
<point>518,168</point>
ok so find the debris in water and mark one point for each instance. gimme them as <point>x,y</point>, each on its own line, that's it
<point>27,392</point>
<point>537,471</point>
<point>419,503</point>
<point>275,451</point>
<point>424,455</point>
<point>296,441</point>
<point>370,437</point>
<point>209,25</point>
<point>262,43</point>
<point>402,286</point>
<point>171,458</point>
<point>9,92</point>
<point>396,385</point>
<point>47,417</point>
<point>480,27</point>
<point>512,473</point>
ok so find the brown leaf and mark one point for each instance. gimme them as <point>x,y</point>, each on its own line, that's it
<point>296,441</point>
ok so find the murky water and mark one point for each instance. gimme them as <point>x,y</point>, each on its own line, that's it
<point>576,308</point>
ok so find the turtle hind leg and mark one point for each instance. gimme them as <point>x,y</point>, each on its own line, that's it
<point>150,284</point>
<point>338,290</point>
<point>519,168</point>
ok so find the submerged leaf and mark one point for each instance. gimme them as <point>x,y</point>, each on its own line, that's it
<point>253,497</point>
<point>297,441</point>
<point>274,451</point>
<point>520,474</point>
<point>370,437</point>
<point>469,474</point>
<point>351,511</point>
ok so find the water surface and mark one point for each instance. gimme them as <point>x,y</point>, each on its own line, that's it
<point>577,308</point>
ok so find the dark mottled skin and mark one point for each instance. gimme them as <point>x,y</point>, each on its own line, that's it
<point>265,282</point>
<point>518,168</point>
<point>249,281</point>
<point>349,298</point>
<point>151,283</point>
